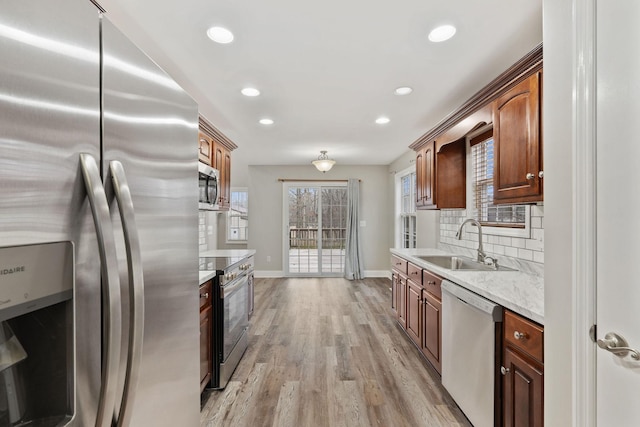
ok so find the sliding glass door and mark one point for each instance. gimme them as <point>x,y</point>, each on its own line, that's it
<point>315,229</point>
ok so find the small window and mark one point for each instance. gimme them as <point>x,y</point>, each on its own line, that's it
<point>505,216</point>
<point>238,216</point>
<point>408,231</point>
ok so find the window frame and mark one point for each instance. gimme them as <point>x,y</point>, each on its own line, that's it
<point>230,214</point>
<point>401,215</point>
<point>500,230</point>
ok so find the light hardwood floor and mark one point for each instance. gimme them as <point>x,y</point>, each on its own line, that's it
<point>326,352</point>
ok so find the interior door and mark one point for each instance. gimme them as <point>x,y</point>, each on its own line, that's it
<point>618,205</point>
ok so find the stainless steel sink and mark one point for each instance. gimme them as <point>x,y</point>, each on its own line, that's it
<point>455,262</point>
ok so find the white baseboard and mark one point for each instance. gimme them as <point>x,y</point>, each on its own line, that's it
<point>377,273</point>
<point>268,274</point>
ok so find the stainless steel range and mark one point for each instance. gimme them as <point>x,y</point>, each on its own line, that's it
<point>232,296</point>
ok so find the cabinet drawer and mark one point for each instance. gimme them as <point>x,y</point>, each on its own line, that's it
<point>399,264</point>
<point>524,335</point>
<point>431,283</point>
<point>205,295</point>
<point>415,273</point>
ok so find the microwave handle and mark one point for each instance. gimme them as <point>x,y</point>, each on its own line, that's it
<point>110,288</point>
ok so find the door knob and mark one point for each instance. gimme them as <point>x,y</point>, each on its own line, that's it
<point>617,345</point>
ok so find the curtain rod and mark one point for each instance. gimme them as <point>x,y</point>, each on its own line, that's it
<point>313,180</point>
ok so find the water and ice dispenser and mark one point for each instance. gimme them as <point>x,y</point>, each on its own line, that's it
<point>36,335</point>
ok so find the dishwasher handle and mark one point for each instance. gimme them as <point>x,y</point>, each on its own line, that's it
<point>473,300</point>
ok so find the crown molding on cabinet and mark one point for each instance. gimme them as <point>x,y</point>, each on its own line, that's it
<point>519,71</point>
<point>216,134</point>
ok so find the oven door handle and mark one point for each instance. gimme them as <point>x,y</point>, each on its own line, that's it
<point>227,290</point>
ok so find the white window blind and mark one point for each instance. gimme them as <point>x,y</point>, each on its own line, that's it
<point>408,210</point>
<point>486,212</point>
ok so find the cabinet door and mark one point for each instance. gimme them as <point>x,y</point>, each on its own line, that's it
<point>431,337</point>
<point>523,391</point>
<point>206,352</point>
<point>394,292</point>
<point>420,178</point>
<point>402,300</point>
<point>205,148</point>
<point>517,143</point>
<point>225,185</point>
<point>429,175</point>
<point>414,305</point>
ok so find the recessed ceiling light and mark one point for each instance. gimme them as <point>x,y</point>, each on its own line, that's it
<point>266,121</point>
<point>442,33</point>
<point>382,120</point>
<point>250,91</point>
<point>404,90</point>
<point>220,35</point>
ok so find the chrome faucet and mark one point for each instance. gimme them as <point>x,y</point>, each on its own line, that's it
<point>481,254</point>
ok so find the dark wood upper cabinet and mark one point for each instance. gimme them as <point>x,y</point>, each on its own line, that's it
<point>518,143</point>
<point>205,148</point>
<point>441,175</point>
<point>219,158</point>
<point>512,102</point>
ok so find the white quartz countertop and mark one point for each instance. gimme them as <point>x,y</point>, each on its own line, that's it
<point>230,254</point>
<point>227,253</point>
<point>520,292</point>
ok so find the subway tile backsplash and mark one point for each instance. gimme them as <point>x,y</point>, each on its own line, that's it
<point>521,253</point>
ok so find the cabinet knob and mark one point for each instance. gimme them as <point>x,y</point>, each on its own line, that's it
<point>205,295</point>
<point>503,370</point>
<point>541,174</point>
<point>530,176</point>
<point>520,335</point>
<point>431,282</point>
<point>414,272</point>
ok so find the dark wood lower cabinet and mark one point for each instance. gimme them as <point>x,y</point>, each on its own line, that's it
<point>523,391</point>
<point>414,306</point>
<point>402,300</point>
<point>205,348</point>
<point>206,334</point>
<point>432,329</point>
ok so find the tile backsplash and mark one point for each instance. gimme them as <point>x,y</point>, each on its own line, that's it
<point>207,230</point>
<point>522,253</point>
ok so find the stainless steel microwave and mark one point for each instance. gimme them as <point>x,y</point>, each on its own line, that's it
<point>209,179</point>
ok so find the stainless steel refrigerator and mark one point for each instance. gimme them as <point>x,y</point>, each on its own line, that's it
<point>98,226</point>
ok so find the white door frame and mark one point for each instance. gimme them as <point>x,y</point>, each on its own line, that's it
<point>584,402</point>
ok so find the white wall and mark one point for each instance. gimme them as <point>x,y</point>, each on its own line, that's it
<point>558,189</point>
<point>266,210</point>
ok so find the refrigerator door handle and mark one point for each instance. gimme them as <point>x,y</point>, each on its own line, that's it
<point>112,328</point>
<point>136,290</point>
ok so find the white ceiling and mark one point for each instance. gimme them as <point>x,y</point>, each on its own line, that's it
<point>327,69</point>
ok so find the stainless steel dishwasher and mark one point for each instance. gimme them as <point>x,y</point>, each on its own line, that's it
<point>470,326</point>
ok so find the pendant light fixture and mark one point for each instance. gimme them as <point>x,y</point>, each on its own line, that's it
<point>323,163</point>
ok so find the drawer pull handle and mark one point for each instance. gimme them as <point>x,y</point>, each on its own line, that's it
<point>520,335</point>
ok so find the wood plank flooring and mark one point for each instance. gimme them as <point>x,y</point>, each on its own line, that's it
<point>327,352</point>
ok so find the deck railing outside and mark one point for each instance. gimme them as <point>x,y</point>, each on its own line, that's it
<point>307,238</point>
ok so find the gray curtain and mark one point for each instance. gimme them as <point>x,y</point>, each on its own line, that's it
<point>353,269</point>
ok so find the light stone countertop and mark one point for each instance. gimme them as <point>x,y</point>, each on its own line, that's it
<point>520,292</point>
<point>232,255</point>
